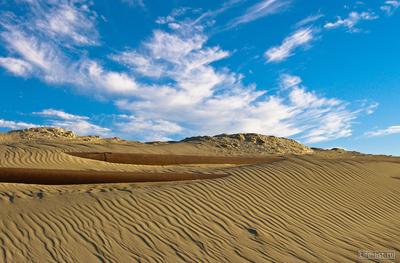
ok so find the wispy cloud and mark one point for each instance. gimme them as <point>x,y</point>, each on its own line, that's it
<point>351,21</point>
<point>288,81</point>
<point>81,125</point>
<point>58,118</point>
<point>147,130</point>
<point>383,132</point>
<point>318,118</point>
<point>60,114</point>
<point>36,42</point>
<point>139,3</point>
<point>299,38</point>
<point>390,6</point>
<point>72,23</point>
<point>41,58</point>
<point>261,9</point>
<point>309,20</point>
<point>16,66</point>
<point>15,125</point>
<point>108,82</point>
<point>44,42</point>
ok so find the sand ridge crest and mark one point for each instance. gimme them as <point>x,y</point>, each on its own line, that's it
<point>251,143</point>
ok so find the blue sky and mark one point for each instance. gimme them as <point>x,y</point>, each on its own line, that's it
<point>325,73</point>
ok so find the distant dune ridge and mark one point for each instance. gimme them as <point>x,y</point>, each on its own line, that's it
<point>251,143</point>
<point>295,204</point>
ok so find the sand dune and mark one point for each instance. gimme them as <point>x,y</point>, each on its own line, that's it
<point>163,159</point>
<point>306,208</point>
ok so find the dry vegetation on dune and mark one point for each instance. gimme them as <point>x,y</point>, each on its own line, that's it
<point>309,206</point>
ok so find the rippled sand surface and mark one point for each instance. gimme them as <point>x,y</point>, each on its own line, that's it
<point>304,208</point>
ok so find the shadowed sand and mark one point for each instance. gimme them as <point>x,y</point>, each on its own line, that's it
<point>162,159</point>
<point>324,206</point>
<point>66,177</point>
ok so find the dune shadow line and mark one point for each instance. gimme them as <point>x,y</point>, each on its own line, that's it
<point>66,177</point>
<point>164,159</point>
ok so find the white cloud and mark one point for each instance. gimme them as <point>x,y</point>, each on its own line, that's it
<point>139,3</point>
<point>289,81</point>
<point>181,60</point>
<point>173,17</point>
<point>81,125</point>
<point>302,98</point>
<point>16,125</point>
<point>332,125</point>
<point>190,93</point>
<point>351,21</point>
<point>390,6</point>
<point>69,22</point>
<point>172,47</point>
<point>173,87</point>
<point>371,108</point>
<point>309,20</point>
<point>16,66</point>
<point>139,63</point>
<point>383,132</point>
<point>47,61</point>
<point>45,57</point>
<point>30,49</point>
<point>299,38</point>
<point>46,52</point>
<point>148,130</point>
<point>318,118</point>
<point>261,9</point>
<point>60,114</point>
<point>108,81</point>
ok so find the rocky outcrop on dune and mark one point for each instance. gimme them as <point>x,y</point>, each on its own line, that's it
<point>43,132</point>
<point>52,133</point>
<point>251,143</point>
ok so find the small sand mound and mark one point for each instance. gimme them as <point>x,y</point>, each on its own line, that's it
<point>251,143</point>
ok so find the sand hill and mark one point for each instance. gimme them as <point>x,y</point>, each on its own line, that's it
<point>250,143</point>
<point>268,199</point>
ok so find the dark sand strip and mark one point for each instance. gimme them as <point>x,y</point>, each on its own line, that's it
<point>163,159</point>
<point>65,177</point>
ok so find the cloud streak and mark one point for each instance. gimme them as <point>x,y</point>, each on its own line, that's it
<point>16,125</point>
<point>390,6</point>
<point>139,3</point>
<point>299,38</point>
<point>384,132</point>
<point>259,10</point>
<point>351,21</point>
<point>309,20</point>
<point>16,66</point>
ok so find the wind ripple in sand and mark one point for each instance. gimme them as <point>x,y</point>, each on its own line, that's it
<point>299,210</point>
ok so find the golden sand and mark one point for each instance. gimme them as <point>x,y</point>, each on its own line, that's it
<point>319,207</point>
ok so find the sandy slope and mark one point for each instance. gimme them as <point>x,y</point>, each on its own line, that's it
<point>307,208</point>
